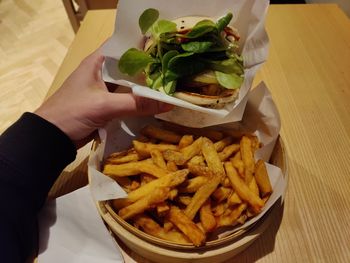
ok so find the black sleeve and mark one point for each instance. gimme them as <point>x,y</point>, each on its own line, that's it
<point>33,152</point>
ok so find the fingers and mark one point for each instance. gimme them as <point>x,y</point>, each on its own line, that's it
<point>92,65</point>
<point>126,104</point>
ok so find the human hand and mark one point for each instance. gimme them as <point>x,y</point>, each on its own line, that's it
<point>84,104</point>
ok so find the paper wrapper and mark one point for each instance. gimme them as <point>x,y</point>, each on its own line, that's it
<point>261,118</point>
<point>248,18</point>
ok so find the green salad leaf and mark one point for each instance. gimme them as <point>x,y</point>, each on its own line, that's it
<point>147,19</point>
<point>229,81</point>
<point>134,61</point>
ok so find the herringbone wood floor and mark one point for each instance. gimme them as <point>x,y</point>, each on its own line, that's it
<point>34,38</point>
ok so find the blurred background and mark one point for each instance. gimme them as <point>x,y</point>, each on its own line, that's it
<point>34,38</point>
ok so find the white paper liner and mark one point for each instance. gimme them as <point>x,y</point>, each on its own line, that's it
<point>260,118</point>
<point>248,18</point>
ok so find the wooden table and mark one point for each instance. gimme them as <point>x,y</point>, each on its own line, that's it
<point>308,73</point>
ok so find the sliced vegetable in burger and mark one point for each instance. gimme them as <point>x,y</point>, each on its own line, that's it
<point>192,58</point>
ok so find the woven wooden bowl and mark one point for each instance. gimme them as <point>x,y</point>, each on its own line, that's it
<point>159,250</point>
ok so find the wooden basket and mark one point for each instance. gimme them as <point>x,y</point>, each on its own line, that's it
<point>159,250</point>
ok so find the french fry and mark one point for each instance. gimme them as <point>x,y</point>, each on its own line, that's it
<point>212,158</point>
<point>197,160</point>
<point>152,228</point>
<point>160,134</point>
<point>253,186</point>
<point>262,178</point>
<point>232,218</point>
<point>225,182</point>
<point>145,178</point>
<point>219,209</point>
<point>228,151</point>
<point>242,189</point>
<point>234,199</point>
<point>247,158</point>
<point>167,225</point>
<point>238,164</point>
<point>185,141</point>
<point>193,184</point>
<point>186,226</point>
<point>220,145</point>
<point>203,193</point>
<point>185,153</point>
<point>173,193</point>
<point>123,157</point>
<point>207,218</point>
<point>171,166</point>
<point>169,180</point>
<point>134,168</point>
<point>158,159</point>
<point>199,170</point>
<point>158,195</point>
<point>221,193</point>
<point>144,148</point>
<point>184,199</point>
<point>162,209</point>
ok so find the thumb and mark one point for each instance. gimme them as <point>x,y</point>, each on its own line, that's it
<point>127,104</point>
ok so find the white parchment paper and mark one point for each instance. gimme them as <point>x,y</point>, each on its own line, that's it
<point>248,18</point>
<point>260,118</point>
<point>71,230</point>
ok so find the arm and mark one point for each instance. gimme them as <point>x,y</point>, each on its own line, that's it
<point>35,149</point>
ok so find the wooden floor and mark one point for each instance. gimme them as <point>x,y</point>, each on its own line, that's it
<point>34,38</point>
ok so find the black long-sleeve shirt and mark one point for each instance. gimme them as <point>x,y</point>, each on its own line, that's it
<point>33,152</point>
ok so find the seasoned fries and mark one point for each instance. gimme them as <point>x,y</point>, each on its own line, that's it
<point>186,183</point>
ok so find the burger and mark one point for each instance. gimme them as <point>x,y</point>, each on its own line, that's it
<point>192,58</point>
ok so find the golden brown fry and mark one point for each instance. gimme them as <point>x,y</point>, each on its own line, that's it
<point>162,209</point>
<point>169,180</point>
<point>134,168</point>
<point>232,218</point>
<point>145,178</point>
<point>220,145</point>
<point>171,166</point>
<point>221,193</point>
<point>228,151</point>
<point>156,196</point>
<point>119,203</point>
<point>242,189</point>
<point>225,182</point>
<point>262,178</point>
<point>185,153</point>
<point>185,141</point>
<point>167,225</point>
<point>186,226</point>
<point>151,227</point>
<point>184,199</point>
<point>254,187</point>
<point>193,184</point>
<point>212,158</point>
<point>144,149</point>
<point>247,158</point>
<point>134,185</point>
<point>234,199</point>
<point>161,134</point>
<point>219,209</point>
<point>158,159</point>
<point>173,194</point>
<point>238,164</point>
<point>123,157</point>
<point>203,193</point>
<point>206,217</point>
<point>196,160</point>
<point>199,170</point>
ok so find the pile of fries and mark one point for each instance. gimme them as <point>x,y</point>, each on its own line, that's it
<point>184,183</point>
